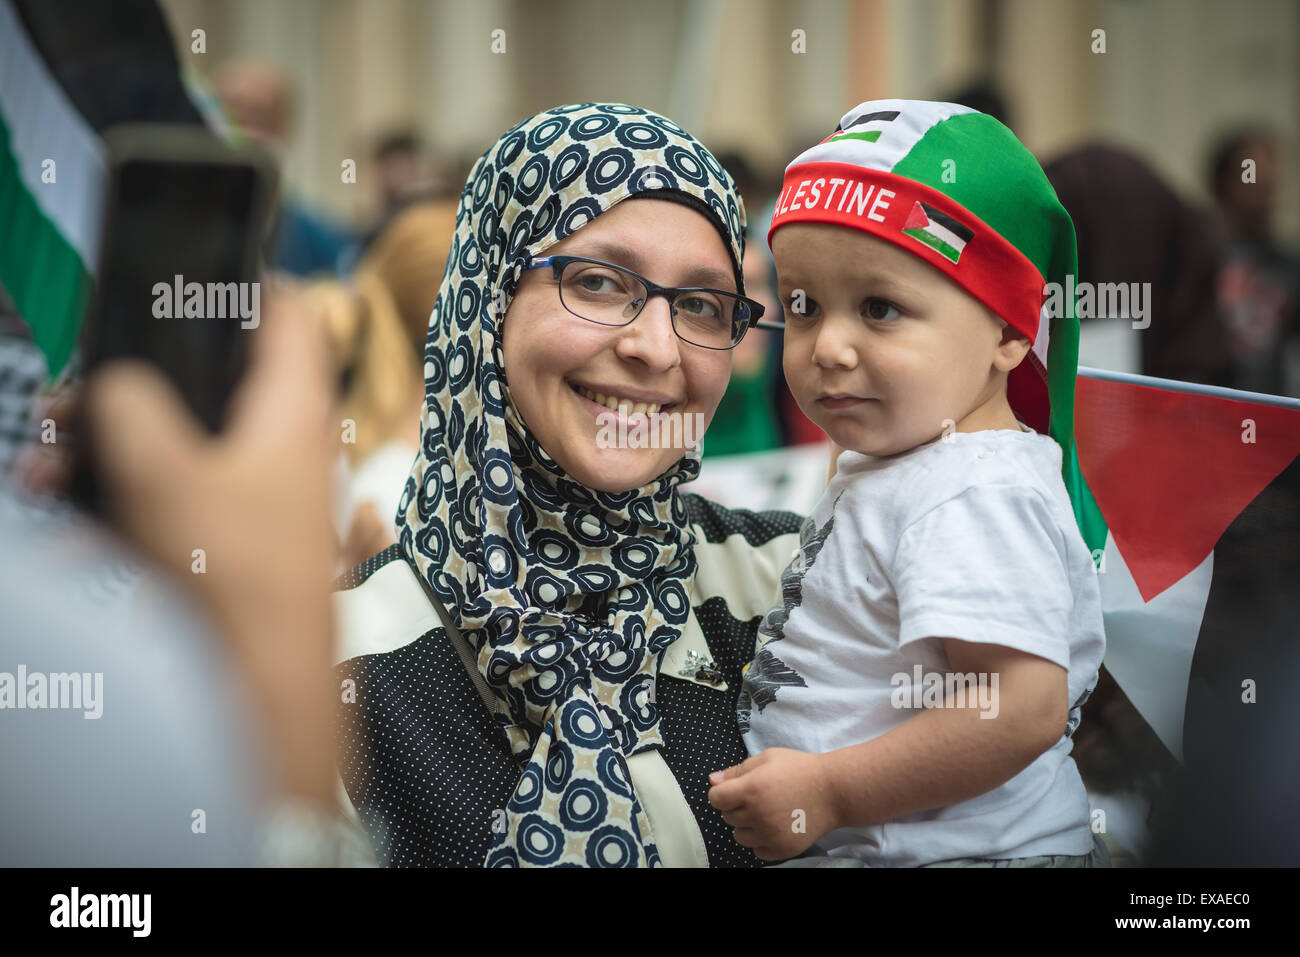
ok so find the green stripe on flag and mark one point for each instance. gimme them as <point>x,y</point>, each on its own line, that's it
<point>869,135</point>
<point>43,273</point>
<point>935,243</point>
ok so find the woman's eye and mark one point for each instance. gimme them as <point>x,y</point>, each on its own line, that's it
<point>879,309</point>
<point>701,307</point>
<point>601,283</point>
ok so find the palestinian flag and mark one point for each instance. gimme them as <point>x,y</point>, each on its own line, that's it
<point>70,69</point>
<point>1192,507</point>
<point>941,233</point>
<point>866,127</point>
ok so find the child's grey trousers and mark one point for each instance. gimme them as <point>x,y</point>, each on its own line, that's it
<point>1099,857</point>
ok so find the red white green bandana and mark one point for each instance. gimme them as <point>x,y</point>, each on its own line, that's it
<point>956,188</point>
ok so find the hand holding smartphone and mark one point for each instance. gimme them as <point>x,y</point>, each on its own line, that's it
<point>177,284</point>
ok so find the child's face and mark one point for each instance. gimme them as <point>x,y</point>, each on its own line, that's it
<point>888,352</point>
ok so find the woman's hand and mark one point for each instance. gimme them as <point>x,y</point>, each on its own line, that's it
<point>242,518</point>
<point>779,801</point>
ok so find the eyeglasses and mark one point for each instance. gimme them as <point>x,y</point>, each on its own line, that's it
<point>610,295</point>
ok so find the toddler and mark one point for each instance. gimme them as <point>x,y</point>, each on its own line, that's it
<point>912,700</point>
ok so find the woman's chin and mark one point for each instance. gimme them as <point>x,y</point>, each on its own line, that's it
<point>620,470</point>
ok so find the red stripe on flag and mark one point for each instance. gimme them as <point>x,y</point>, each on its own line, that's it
<point>917,219</point>
<point>1170,470</point>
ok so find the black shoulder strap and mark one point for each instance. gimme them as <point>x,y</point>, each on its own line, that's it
<point>490,700</point>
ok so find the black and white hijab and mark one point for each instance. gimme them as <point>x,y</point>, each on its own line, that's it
<point>567,596</point>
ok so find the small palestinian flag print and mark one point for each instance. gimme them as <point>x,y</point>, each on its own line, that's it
<point>870,127</point>
<point>941,233</point>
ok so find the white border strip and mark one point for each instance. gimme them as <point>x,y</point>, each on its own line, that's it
<point>1192,388</point>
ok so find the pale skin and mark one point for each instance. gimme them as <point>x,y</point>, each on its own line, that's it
<point>885,353</point>
<point>548,350</point>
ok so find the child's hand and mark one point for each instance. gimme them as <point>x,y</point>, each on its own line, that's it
<point>779,801</point>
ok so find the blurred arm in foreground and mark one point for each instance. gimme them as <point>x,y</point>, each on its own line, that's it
<point>178,711</point>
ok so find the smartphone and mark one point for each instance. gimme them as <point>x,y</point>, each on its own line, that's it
<point>185,223</point>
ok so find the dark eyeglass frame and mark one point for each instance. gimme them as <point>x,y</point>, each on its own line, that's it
<point>558,264</point>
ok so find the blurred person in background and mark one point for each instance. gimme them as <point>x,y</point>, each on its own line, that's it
<point>758,402</point>
<point>377,325</point>
<point>402,168</point>
<point>1233,802</point>
<point>1125,767</point>
<point>796,427</point>
<point>405,173</point>
<point>1132,228</point>
<point>410,256</point>
<point>258,98</point>
<point>746,420</point>
<point>378,402</point>
<point>984,96</point>
<point>1259,282</point>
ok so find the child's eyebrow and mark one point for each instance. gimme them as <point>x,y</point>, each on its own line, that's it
<point>880,283</point>
<point>889,285</point>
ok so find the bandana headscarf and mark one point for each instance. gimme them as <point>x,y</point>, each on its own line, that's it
<point>567,596</point>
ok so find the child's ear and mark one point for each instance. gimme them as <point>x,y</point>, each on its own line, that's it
<point>1011,350</point>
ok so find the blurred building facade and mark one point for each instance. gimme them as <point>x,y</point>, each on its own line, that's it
<point>1174,74</point>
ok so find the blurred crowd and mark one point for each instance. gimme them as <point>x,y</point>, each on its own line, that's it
<point>1223,300</point>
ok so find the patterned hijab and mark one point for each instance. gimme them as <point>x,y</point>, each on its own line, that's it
<point>568,596</point>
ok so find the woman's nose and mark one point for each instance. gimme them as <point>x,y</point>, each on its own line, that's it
<point>649,338</point>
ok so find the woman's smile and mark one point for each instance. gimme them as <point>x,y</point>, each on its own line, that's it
<point>622,399</point>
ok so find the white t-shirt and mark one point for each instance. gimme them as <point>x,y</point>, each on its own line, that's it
<point>969,537</point>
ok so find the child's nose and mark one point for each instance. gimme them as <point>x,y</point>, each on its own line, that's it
<point>836,344</point>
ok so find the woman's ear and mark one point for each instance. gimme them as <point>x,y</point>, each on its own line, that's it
<point>1011,348</point>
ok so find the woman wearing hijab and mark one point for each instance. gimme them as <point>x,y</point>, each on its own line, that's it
<point>544,670</point>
